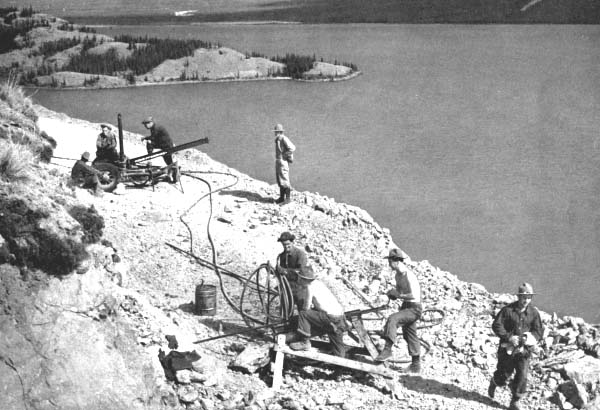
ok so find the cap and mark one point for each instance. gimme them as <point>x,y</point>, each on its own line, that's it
<point>147,120</point>
<point>525,289</point>
<point>286,236</point>
<point>105,126</point>
<point>86,156</point>
<point>396,254</point>
<point>278,128</point>
<point>307,273</point>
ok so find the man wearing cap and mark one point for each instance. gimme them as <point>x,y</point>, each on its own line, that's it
<point>86,176</point>
<point>293,259</point>
<point>284,149</point>
<point>319,313</point>
<point>159,138</point>
<point>519,327</point>
<point>408,290</point>
<point>106,145</point>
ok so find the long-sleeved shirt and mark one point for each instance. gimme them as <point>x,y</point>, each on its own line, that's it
<point>159,137</point>
<point>107,141</point>
<point>294,259</point>
<point>81,170</point>
<point>283,145</point>
<point>317,296</point>
<point>408,288</point>
<point>510,321</point>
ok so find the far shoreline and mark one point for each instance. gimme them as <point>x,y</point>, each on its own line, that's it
<point>214,81</point>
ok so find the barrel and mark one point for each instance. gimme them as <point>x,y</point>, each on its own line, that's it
<point>206,300</point>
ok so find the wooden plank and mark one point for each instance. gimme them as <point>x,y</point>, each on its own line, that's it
<point>278,367</point>
<point>335,360</point>
<point>364,337</point>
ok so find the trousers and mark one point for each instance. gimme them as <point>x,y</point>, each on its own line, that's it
<point>407,318</point>
<point>314,322</point>
<point>507,364</point>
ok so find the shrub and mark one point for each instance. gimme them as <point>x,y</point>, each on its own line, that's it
<point>91,222</point>
<point>15,161</point>
<point>16,99</point>
<point>34,246</point>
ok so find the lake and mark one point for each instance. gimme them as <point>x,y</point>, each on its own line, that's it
<point>478,146</point>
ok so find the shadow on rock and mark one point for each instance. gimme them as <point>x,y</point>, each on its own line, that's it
<point>250,196</point>
<point>430,386</point>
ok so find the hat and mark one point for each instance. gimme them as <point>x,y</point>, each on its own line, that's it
<point>525,289</point>
<point>105,126</point>
<point>147,120</point>
<point>307,273</point>
<point>396,254</point>
<point>286,236</point>
<point>86,156</point>
<point>278,128</point>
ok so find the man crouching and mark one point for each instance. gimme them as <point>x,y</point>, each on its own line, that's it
<point>319,313</point>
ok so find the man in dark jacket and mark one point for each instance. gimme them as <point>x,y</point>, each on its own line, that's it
<point>291,262</point>
<point>159,138</point>
<point>106,145</point>
<point>86,176</point>
<point>519,327</point>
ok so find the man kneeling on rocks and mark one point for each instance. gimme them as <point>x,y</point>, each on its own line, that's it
<point>85,175</point>
<point>519,328</point>
<point>320,313</point>
<point>409,291</point>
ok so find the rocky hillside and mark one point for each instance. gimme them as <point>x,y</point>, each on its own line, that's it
<point>82,326</point>
<point>44,53</point>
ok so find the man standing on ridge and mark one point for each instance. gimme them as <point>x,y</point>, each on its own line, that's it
<point>519,327</point>
<point>106,145</point>
<point>284,155</point>
<point>408,290</point>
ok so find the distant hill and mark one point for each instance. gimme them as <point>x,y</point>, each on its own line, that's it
<point>389,11</point>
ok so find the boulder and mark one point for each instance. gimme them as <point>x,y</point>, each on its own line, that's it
<point>251,359</point>
<point>574,393</point>
<point>584,370</point>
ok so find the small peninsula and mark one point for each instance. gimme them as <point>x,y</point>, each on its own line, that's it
<point>47,51</point>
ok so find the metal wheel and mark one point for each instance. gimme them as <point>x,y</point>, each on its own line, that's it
<point>111,176</point>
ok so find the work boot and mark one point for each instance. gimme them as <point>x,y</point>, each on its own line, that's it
<point>301,345</point>
<point>286,196</point>
<point>415,366</point>
<point>281,195</point>
<point>492,388</point>
<point>514,404</point>
<point>385,354</point>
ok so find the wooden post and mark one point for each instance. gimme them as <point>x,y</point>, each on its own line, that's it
<point>278,367</point>
<point>364,336</point>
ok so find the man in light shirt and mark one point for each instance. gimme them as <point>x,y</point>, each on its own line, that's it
<point>320,313</point>
<point>409,291</point>
<point>284,149</point>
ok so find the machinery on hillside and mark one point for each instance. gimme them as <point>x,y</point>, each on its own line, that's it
<point>136,170</point>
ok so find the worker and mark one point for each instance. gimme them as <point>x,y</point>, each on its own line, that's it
<point>106,145</point>
<point>320,313</point>
<point>519,327</point>
<point>86,176</point>
<point>292,260</point>
<point>284,155</point>
<point>408,290</point>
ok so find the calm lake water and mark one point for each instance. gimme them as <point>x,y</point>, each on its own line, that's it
<point>478,146</point>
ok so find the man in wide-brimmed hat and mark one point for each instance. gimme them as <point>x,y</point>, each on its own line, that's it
<point>319,313</point>
<point>284,149</point>
<point>519,327</point>
<point>106,145</point>
<point>408,290</point>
